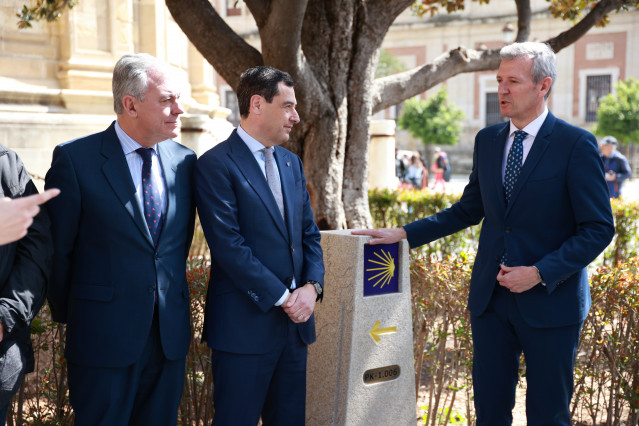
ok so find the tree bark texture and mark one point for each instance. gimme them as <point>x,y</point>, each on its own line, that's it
<point>330,48</point>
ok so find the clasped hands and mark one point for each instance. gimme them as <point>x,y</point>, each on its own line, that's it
<point>300,304</point>
<point>517,279</point>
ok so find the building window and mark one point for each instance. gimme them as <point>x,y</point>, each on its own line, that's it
<point>493,114</point>
<point>230,101</point>
<point>597,86</point>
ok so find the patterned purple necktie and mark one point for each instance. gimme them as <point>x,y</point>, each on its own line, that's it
<point>150,196</point>
<point>273,178</point>
<point>513,163</point>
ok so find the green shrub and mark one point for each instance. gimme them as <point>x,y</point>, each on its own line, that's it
<point>441,334</point>
<point>607,367</point>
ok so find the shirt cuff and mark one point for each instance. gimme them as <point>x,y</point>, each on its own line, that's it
<point>283,298</point>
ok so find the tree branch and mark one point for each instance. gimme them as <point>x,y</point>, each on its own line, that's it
<point>593,17</point>
<point>524,15</point>
<point>391,90</point>
<point>260,10</point>
<point>281,34</point>
<point>396,88</point>
<point>229,54</point>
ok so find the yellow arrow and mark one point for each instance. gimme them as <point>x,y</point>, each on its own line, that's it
<point>376,331</point>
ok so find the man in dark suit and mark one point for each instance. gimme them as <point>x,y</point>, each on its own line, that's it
<point>267,268</point>
<point>122,228</point>
<point>546,215</point>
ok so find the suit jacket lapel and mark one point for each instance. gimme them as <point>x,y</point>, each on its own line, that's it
<point>287,179</point>
<point>117,173</point>
<point>500,141</point>
<point>246,163</point>
<point>536,152</point>
<point>169,165</point>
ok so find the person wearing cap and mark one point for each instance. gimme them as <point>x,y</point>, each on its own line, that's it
<point>615,165</point>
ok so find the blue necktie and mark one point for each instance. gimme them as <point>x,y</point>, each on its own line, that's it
<point>150,196</point>
<point>513,167</point>
<point>273,178</point>
<point>513,163</point>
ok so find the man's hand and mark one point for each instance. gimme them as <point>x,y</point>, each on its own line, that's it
<point>16,215</point>
<point>301,303</point>
<point>611,176</point>
<point>382,235</point>
<point>518,278</point>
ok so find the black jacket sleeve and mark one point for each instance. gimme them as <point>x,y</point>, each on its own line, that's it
<point>25,264</point>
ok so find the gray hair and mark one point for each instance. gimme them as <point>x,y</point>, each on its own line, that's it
<point>544,59</point>
<point>130,77</point>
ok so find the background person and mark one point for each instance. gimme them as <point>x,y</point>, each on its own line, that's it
<point>415,173</point>
<point>267,268</point>
<point>616,166</point>
<point>25,265</point>
<point>123,226</point>
<point>538,185</point>
<point>440,160</point>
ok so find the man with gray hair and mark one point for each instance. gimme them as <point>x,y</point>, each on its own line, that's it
<point>122,229</point>
<point>538,185</point>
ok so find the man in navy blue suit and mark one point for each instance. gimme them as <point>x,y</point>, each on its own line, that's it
<point>546,215</point>
<point>267,268</point>
<point>122,229</point>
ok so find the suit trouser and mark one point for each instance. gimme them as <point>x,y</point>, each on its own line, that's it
<point>500,335</point>
<point>145,393</point>
<point>272,384</point>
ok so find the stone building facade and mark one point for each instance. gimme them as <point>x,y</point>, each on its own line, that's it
<point>55,79</point>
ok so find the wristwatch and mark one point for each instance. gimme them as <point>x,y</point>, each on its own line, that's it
<point>317,285</point>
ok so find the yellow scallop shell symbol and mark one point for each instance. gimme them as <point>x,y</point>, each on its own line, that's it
<point>387,268</point>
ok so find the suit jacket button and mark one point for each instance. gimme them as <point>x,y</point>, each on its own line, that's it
<point>151,289</point>
<point>508,229</point>
<point>292,249</point>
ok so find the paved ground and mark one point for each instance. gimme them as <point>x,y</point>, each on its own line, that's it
<point>630,189</point>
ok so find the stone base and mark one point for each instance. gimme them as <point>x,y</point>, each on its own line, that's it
<point>351,379</point>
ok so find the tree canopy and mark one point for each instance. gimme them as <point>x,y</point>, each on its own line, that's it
<point>618,113</point>
<point>435,121</point>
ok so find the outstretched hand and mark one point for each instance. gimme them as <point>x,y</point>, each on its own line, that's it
<point>382,235</point>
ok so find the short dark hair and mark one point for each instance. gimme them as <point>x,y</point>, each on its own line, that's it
<point>262,81</point>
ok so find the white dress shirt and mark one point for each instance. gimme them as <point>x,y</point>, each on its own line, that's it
<point>532,129</point>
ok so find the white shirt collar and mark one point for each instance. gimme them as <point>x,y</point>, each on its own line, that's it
<point>129,145</point>
<point>253,144</point>
<point>533,127</point>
